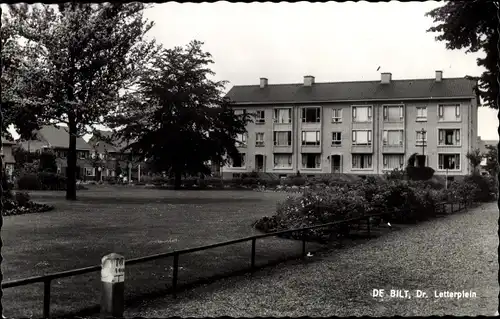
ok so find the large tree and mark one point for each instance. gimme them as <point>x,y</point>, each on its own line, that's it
<point>178,118</point>
<point>77,58</point>
<point>472,25</point>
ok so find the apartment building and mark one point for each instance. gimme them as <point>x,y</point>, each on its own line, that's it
<point>365,127</point>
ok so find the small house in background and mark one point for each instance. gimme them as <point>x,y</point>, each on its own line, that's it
<point>111,159</point>
<point>57,140</point>
<point>8,160</point>
<point>483,148</point>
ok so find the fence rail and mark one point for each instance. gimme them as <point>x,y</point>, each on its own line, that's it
<point>47,279</point>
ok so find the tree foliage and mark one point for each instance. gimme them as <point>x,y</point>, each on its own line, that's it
<point>472,25</point>
<point>76,59</point>
<point>475,157</point>
<point>47,162</point>
<point>491,156</point>
<point>178,118</point>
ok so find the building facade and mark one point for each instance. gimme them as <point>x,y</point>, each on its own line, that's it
<point>368,127</point>
<point>57,140</point>
<point>8,159</point>
<point>111,160</point>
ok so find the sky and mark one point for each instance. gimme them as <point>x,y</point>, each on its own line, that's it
<point>332,41</point>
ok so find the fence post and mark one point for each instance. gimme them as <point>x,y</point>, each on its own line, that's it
<point>368,226</point>
<point>46,299</point>
<point>113,286</point>
<point>252,265</point>
<point>175,274</point>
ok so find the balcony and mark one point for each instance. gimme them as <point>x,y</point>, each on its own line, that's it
<point>311,149</point>
<point>282,149</point>
<point>394,149</point>
<point>362,148</point>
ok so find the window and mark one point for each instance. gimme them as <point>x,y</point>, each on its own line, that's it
<point>239,111</point>
<point>283,138</point>
<point>239,161</point>
<point>283,116</point>
<point>259,139</point>
<point>260,117</point>
<point>449,137</point>
<point>421,138</point>
<point>449,161</point>
<point>241,140</point>
<point>311,114</point>
<point>82,155</point>
<point>311,161</point>
<point>393,113</point>
<point>393,137</point>
<point>392,161</point>
<point>310,138</point>
<point>361,137</point>
<point>282,160</point>
<point>421,113</point>
<point>361,161</point>
<point>361,113</point>
<point>336,138</point>
<point>449,112</point>
<point>89,171</point>
<point>336,115</point>
<point>61,154</point>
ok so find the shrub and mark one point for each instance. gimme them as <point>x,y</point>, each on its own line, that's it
<point>51,181</point>
<point>395,174</point>
<point>486,187</point>
<point>22,198</point>
<point>419,173</point>
<point>29,182</point>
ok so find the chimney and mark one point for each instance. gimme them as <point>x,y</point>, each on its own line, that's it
<point>385,78</point>
<point>263,82</point>
<point>308,80</point>
<point>439,76</point>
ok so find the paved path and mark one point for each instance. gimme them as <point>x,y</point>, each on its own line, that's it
<point>453,253</point>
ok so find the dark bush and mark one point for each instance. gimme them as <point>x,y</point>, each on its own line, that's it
<point>22,198</point>
<point>486,187</point>
<point>51,181</point>
<point>419,173</point>
<point>29,182</point>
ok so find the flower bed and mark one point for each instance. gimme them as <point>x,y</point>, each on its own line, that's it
<point>408,202</point>
<point>21,204</point>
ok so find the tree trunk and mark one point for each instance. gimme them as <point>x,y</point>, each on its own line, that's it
<point>177,180</point>
<point>71,178</point>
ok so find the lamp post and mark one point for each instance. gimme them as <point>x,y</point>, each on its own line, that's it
<point>422,131</point>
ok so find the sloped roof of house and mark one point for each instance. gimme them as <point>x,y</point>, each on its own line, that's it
<point>57,137</point>
<point>116,146</point>
<point>353,91</point>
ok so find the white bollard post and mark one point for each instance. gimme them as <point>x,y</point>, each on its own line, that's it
<point>113,284</point>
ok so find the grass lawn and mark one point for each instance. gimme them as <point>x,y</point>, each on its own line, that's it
<point>134,222</point>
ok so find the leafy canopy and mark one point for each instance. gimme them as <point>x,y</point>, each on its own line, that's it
<point>177,118</point>
<point>472,25</point>
<point>71,61</point>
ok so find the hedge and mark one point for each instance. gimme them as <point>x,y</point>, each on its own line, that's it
<point>410,202</point>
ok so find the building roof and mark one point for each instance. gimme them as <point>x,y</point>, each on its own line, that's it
<point>353,91</point>
<point>490,142</point>
<point>56,137</point>
<point>101,144</point>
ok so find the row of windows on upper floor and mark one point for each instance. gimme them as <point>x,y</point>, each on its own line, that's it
<point>445,161</point>
<point>391,113</point>
<point>446,137</point>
